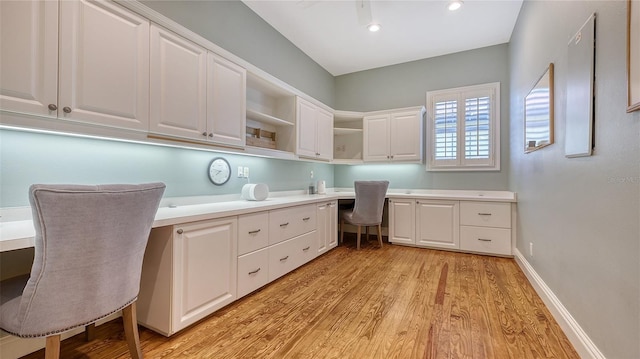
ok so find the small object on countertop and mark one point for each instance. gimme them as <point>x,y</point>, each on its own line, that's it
<point>322,187</point>
<point>255,192</point>
<point>312,189</point>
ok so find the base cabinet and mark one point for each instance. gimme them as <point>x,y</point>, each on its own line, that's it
<point>402,221</point>
<point>327,218</point>
<point>469,226</point>
<point>189,271</point>
<point>437,224</point>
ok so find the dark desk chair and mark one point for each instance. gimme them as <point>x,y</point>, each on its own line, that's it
<point>89,245</point>
<point>368,208</point>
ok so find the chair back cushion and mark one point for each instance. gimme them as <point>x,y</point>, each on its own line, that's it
<point>89,246</point>
<point>369,202</point>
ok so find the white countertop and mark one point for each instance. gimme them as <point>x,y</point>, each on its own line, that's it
<point>17,232</point>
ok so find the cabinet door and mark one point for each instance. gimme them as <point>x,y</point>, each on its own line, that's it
<point>29,56</point>
<point>307,126</point>
<point>405,136</point>
<point>178,86</point>
<point>323,227</point>
<point>437,224</point>
<point>375,141</point>
<point>104,65</point>
<point>226,101</point>
<point>332,236</point>
<point>324,123</point>
<point>402,217</point>
<point>205,257</point>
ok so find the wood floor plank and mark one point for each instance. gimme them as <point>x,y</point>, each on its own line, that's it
<point>390,302</point>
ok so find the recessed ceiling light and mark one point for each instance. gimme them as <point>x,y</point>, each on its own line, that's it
<point>373,27</point>
<point>454,5</point>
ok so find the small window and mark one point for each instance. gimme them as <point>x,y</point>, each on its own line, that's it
<point>463,128</point>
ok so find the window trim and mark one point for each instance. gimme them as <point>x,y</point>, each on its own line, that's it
<point>460,164</point>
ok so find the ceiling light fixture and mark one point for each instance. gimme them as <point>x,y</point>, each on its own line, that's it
<point>454,5</point>
<point>373,27</point>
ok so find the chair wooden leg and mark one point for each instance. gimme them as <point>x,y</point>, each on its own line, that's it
<point>380,235</point>
<point>90,332</point>
<point>131,330</point>
<point>341,230</point>
<point>367,231</point>
<point>358,242</point>
<point>52,347</point>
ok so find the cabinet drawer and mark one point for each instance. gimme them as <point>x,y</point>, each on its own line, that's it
<point>291,222</point>
<point>253,271</point>
<point>253,232</point>
<point>485,214</point>
<point>485,240</point>
<point>289,255</point>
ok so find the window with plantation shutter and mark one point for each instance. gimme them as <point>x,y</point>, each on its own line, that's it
<point>463,128</point>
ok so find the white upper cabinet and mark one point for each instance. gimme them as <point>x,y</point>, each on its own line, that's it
<point>194,93</point>
<point>102,75</point>
<point>226,101</point>
<point>29,56</point>
<point>394,135</point>
<point>315,131</point>
<point>178,86</point>
<point>376,138</point>
<point>104,65</point>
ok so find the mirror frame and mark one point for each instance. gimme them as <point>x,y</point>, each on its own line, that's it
<point>529,145</point>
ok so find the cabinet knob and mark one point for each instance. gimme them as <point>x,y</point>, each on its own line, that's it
<point>204,133</point>
<point>52,107</point>
<point>66,109</point>
<point>211,134</point>
<point>179,231</point>
<point>391,156</point>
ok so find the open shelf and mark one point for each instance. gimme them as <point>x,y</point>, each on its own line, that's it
<point>266,118</point>
<point>346,131</point>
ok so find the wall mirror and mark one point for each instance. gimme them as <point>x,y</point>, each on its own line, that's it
<point>538,113</point>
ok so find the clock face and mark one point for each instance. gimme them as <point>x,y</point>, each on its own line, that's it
<point>219,171</point>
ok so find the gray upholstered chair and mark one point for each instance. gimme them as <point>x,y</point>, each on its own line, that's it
<point>89,245</point>
<point>368,208</point>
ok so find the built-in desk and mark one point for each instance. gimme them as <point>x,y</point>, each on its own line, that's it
<point>170,270</point>
<point>17,232</point>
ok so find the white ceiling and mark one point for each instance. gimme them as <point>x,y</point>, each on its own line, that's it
<point>329,31</point>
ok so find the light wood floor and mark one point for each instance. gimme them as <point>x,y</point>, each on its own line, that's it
<point>394,302</point>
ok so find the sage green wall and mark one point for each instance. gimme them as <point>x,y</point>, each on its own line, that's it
<point>29,158</point>
<point>234,27</point>
<point>582,215</point>
<point>406,85</point>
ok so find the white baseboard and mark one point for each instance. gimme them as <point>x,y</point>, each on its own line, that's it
<point>580,340</point>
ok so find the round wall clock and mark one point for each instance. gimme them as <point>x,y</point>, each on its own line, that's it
<point>219,171</point>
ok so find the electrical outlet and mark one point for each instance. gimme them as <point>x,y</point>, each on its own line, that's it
<point>531,249</point>
<point>311,174</point>
<point>240,172</point>
<point>246,172</point>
